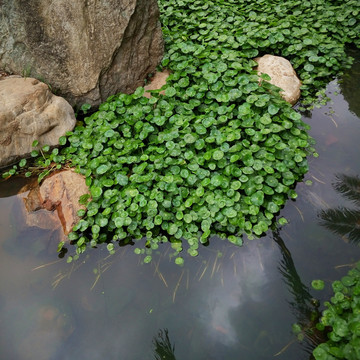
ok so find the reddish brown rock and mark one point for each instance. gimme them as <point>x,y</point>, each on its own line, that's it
<point>56,202</point>
<point>32,201</point>
<point>34,215</point>
<point>62,192</point>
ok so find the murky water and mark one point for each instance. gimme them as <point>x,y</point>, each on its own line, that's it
<point>228,303</point>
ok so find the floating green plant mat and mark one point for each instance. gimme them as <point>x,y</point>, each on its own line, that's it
<point>167,168</point>
<point>219,153</point>
<point>311,34</point>
<point>341,319</point>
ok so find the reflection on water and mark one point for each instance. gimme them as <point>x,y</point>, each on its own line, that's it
<point>163,348</point>
<point>342,220</point>
<point>302,304</point>
<point>227,303</point>
<point>350,85</point>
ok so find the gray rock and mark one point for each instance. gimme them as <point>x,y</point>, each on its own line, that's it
<point>28,112</point>
<point>282,75</point>
<point>86,50</point>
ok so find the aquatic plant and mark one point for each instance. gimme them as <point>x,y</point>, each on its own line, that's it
<point>170,169</point>
<point>339,324</point>
<point>311,34</point>
<point>341,320</point>
<point>219,152</point>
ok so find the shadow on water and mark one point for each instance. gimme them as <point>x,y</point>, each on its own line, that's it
<point>303,305</point>
<point>163,349</point>
<point>344,221</point>
<point>350,88</point>
<point>11,188</point>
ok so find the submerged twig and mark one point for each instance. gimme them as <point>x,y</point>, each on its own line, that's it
<point>285,347</point>
<point>318,180</point>
<point>177,286</point>
<point>204,271</point>
<point>332,119</point>
<point>45,265</point>
<point>344,265</point>
<point>299,211</point>
<point>214,266</point>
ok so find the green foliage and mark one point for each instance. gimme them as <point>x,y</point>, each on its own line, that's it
<point>85,108</point>
<point>342,317</point>
<point>220,152</point>
<point>43,161</point>
<point>219,39</point>
<point>318,284</point>
<point>170,168</point>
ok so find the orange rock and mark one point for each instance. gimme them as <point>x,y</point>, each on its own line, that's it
<point>62,192</point>
<point>34,215</point>
<point>33,201</point>
<point>58,194</point>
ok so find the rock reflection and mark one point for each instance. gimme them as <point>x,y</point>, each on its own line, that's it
<point>342,220</point>
<point>14,185</point>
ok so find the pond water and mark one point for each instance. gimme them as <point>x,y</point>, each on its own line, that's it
<point>227,303</point>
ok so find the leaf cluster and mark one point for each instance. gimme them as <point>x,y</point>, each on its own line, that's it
<point>219,152</point>
<point>311,34</point>
<point>178,167</point>
<point>42,162</point>
<point>342,319</point>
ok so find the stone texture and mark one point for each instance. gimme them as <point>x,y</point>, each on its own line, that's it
<point>3,74</point>
<point>33,215</point>
<point>157,82</point>
<point>282,75</point>
<point>55,202</point>
<point>28,112</point>
<point>85,49</point>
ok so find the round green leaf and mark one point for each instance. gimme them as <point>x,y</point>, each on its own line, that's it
<point>318,284</point>
<point>95,191</point>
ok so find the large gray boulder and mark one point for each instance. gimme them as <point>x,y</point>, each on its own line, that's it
<point>86,50</point>
<point>29,111</point>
